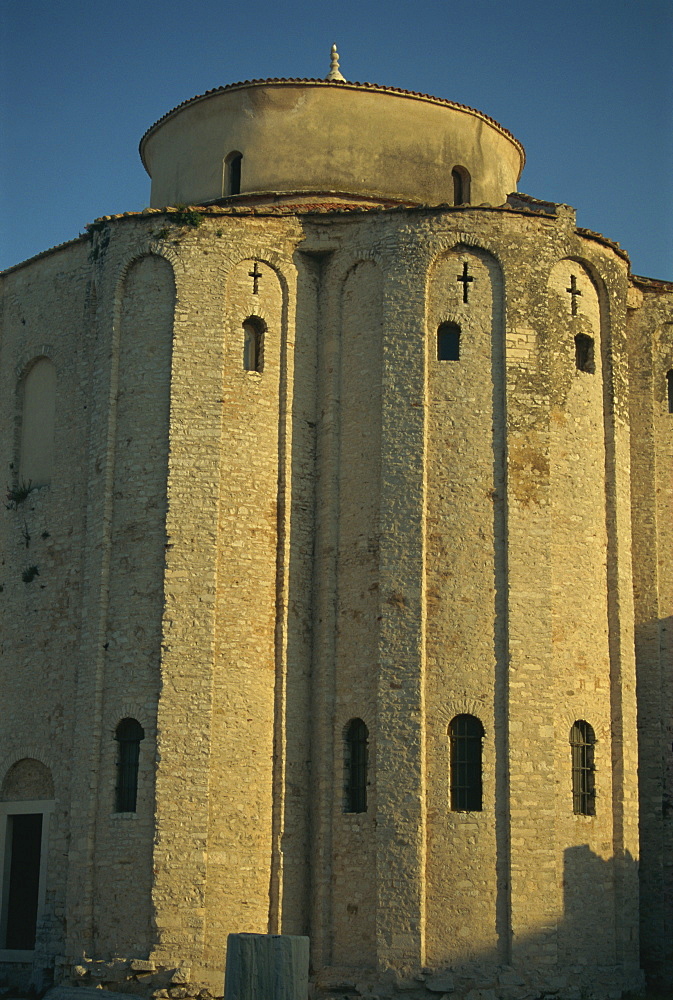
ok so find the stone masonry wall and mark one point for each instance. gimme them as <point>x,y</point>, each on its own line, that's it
<point>464,650</point>
<point>358,601</point>
<point>244,560</point>
<point>651,358</point>
<point>577,468</point>
<point>44,315</point>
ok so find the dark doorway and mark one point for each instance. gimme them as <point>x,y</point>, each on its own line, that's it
<point>24,842</point>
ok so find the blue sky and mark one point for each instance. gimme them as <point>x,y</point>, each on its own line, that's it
<point>587,87</point>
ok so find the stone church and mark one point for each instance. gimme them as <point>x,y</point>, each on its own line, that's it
<point>336,572</point>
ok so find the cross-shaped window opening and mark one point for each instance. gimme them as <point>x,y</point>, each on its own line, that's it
<point>574,292</point>
<point>466,279</point>
<point>255,274</point>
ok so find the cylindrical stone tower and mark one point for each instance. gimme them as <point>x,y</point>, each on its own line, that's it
<point>336,596</point>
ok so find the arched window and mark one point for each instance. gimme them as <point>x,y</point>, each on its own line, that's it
<point>128,734</point>
<point>466,734</point>
<point>448,342</point>
<point>582,742</point>
<point>232,171</point>
<point>36,455</point>
<point>355,766</point>
<point>253,344</point>
<point>669,388</point>
<point>461,186</point>
<point>584,353</point>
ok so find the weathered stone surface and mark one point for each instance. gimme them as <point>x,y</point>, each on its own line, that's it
<point>111,972</point>
<point>442,983</point>
<point>140,965</point>
<point>266,965</point>
<point>511,978</point>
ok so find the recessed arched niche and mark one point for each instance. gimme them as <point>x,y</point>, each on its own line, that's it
<point>27,779</point>
<point>38,411</point>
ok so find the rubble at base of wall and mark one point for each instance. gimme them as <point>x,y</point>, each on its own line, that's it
<point>140,977</point>
<point>500,983</point>
<point>16,975</point>
<point>136,977</point>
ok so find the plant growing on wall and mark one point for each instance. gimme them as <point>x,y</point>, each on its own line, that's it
<point>29,574</point>
<point>184,216</point>
<point>17,494</point>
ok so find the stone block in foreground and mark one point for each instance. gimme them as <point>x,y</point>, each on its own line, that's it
<point>266,967</point>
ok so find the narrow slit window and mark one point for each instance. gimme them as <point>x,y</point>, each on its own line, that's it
<point>253,344</point>
<point>669,390</point>
<point>232,184</point>
<point>448,342</point>
<point>128,734</point>
<point>356,737</point>
<point>466,735</point>
<point>461,186</point>
<point>582,743</point>
<point>584,353</point>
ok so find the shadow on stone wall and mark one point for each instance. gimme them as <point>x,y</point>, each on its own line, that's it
<point>590,952</point>
<point>654,687</point>
<point>584,955</point>
<point>594,916</point>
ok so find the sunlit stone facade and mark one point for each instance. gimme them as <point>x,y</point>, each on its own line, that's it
<point>338,507</point>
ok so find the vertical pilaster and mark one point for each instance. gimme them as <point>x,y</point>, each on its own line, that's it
<point>289,911</point>
<point>401,817</point>
<point>620,607</point>
<point>184,713</point>
<point>324,611</point>
<point>531,704</point>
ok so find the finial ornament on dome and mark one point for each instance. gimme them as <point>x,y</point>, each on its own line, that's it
<point>334,73</point>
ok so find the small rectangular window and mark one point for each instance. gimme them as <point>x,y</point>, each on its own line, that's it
<point>128,734</point>
<point>584,354</point>
<point>448,342</point>
<point>356,736</point>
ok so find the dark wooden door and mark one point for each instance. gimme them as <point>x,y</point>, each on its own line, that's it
<point>25,843</point>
